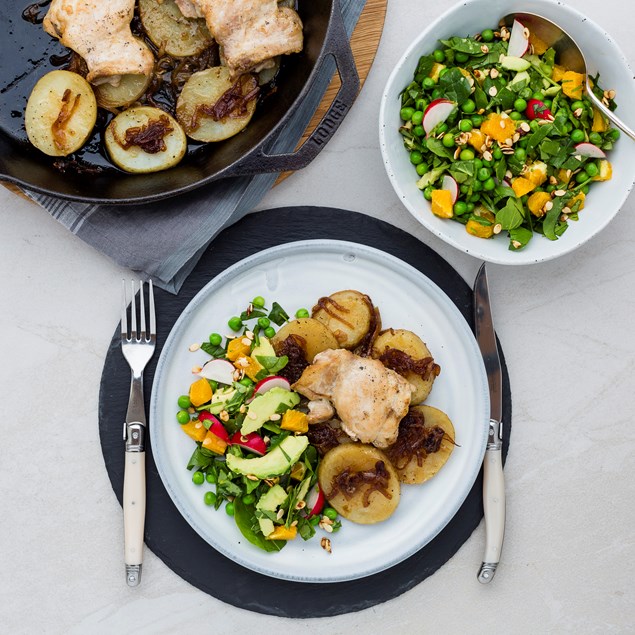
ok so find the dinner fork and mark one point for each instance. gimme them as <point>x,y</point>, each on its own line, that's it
<point>137,347</point>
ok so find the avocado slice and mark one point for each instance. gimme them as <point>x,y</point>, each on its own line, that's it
<point>270,501</point>
<point>264,349</point>
<point>275,462</point>
<point>263,406</point>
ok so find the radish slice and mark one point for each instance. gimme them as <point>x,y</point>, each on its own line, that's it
<point>271,382</point>
<point>518,40</point>
<point>252,442</point>
<point>219,370</point>
<point>536,109</point>
<point>315,501</point>
<point>589,150</point>
<point>437,112</point>
<point>451,185</point>
<point>216,427</point>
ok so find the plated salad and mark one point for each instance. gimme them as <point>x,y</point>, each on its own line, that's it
<point>502,138</point>
<point>284,439</point>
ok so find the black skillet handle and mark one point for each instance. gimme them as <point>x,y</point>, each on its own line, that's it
<point>338,46</point>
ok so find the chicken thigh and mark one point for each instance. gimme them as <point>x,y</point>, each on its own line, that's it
<point>369,398</point>
<point>249,31</point>
<point>100,33</point>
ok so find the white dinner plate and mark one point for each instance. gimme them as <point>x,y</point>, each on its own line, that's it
<point>296,275</point>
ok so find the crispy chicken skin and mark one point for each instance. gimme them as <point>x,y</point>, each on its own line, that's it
<point>100,33</point>
<point>249,31</point>
<point>369,398</point>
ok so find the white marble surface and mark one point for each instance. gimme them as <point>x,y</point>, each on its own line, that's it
<point>566,328</point>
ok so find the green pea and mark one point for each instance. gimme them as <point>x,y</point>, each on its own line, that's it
<point>585,189</point>
<point>497,153</point>
<point>184,402</point>
<point>215,339</point>
<point>270,332</point>
<point>422,168</point>
<point>427,193</point>
<point>489,185</point>
<point>468,106</point>
<point>183,417</point>
<point>448,140</point>
<point>478,163</point>
<point>437,93</point>
<point>235,323</point>
<point>538,95</point>
<point>581,177</point>
<point>466,154</point>
<point>442,127</point>
<point>439,56</point>
<point>523,142</point>
<point>477,120</point>
<point>428,84</point>
<point>515,116</point>
<point>419,131</point>
<point>461,57</point>
<point>330,513</point>
<point>258,301</point>
<point>550,188</point>
<point>416,157</point>
<point>613,134</point>
<point>547,103</point>
<point>443,71</point>
<point>591,169</point>
<point>460,208</point>
<point>210,498</point>
<point>526,93</point>
<point>210,477</point>
<point>477,186</point>
<point>577,136</point>
<point>464,189</point>
<point>263,322</point>
<point>465,125</point>
<point>421,104</point>
<point>487,35</point>
<point>198,478</point>
<point>249,499</point>
<point>577,104</point>
<point>229,509</point>
<point>474,198</point>
<point>302,313</point>
<point>417,117</point>
<point>520,154</point>
<point>483,174</point>
<point>314,520</point>
<point>245,381</point>
<point>470,207</point>
<point>406,113</point>
<point>595,138</point>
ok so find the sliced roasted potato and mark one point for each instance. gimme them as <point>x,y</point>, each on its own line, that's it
<point>413,345</point>
<point>61,113</point>
<point>129,89</point>
<point>202,92</point>
<point>171,31</point>
<point>348,314</point>
<point>145,139</point>
<point>361,505</point>
<point>316,336</point>
<point>414,472</point>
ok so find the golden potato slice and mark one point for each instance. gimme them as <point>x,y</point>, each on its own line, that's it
<point>130,88</point>
<point>61,113</point>
<point>316,336</point>
<point>418,469</point>
<point>413,345</point>
<point>171,31</point>
<point>202,92</point>
<point>348,314</point>
<point>133,148</point>
<point>363,503</point>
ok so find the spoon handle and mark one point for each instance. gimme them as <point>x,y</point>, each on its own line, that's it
<point>608,113</point>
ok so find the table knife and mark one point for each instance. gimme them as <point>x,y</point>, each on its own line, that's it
<point>493,481</point>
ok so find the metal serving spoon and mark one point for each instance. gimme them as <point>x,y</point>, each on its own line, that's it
<point>568,54</point>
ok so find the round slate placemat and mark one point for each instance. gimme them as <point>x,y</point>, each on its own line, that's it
<point>167,533</point>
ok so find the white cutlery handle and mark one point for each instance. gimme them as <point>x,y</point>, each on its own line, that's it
<point>494,505</point>
<point>134,512</point>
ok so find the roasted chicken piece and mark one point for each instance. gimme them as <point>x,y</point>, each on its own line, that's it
<point>320,410</point>
<point>369,398</point>
<point>250,32</point>
<point>100,33</point>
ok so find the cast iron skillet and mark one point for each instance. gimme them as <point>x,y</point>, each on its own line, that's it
<point>26,54</point>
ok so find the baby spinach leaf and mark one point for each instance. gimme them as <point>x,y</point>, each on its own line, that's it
<point>432,176</point>
<point>462,171</point>
<point>435,146</point>
<point>245,517</point>
<point>511,216</point>
<point>455,86</point>
<point>426,62</point>
<point>520,235</point>
<point>277,314</point>
<point>551,218</point>
<point>464,45</point>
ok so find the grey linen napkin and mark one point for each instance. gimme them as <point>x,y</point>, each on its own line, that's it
<point>164,240</point>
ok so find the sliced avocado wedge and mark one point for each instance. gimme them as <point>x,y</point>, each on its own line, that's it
<point>263,406</point>
<point>270,501</point>
<point>274,463</point>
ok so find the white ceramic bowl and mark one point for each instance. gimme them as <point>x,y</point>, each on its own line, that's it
<point>604,200</point>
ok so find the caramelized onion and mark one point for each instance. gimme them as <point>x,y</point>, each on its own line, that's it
<point>365,346</point>
<point>294,347</point>
<point>414,440</point>
<point>348,483</point>
<point>323,437</point>
<point>149,137</point>
<point>402,363</point>
<point>58,127</point>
